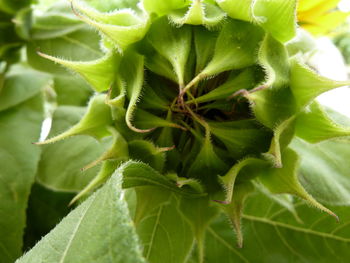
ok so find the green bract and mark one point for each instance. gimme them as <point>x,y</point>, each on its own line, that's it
<point>199,109</point>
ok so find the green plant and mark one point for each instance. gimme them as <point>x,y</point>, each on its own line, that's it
<point>201,111</point>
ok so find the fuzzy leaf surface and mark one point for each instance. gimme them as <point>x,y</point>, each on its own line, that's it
<point>99,230</point>
<point>80,45</point>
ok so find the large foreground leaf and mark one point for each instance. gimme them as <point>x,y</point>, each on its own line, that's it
<point>99,230</point>
<point>45,210</point>
<point>271,234</point>
<point>19,127</point>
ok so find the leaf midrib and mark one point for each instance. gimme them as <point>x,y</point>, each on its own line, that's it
<point>295,228</point>
<point>73,235</point>
<point>154,230</point>
<point>222,241</point>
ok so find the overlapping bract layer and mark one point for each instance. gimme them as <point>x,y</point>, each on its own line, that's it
<point>204,93</point>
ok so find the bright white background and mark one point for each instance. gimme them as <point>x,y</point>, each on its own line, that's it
<point>330,63</point>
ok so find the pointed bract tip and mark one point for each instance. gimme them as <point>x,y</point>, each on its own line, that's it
<point>51,140</point>
<point>331,213</point>
<point>221,202</point>
<point>336,217</point>
<point>133,128</point>
<point>73,9</point>
<point>316,204</point>
<point>73,200</point>
<point>40,143</point>
<point>166,149</point>
<point>92,164</point>
<point>239,242</point>
<point>41,54</point>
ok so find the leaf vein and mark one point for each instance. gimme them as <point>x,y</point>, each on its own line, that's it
<point>295,228</point>
<point>154,232</point>
<point>64,254</point>
<point>222,241</point>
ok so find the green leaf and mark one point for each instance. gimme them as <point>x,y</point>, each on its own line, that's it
<point>122,27</point>
<point>207,165</point>
<point>271,234</point>
<point>337,117</point>
<point>21,83</point>
<point>166,139</point>
<point>244,81</point>
<point>324,169</point>
<point>10,42</point>
<point>229,179</point>
<point>172,43</point>
<point>287,201</point>
<point>11,7</point>
<point>60,167</point>
<point>148,153</point>
<point>241,137</point>
<point>283,134</point>
<point>273,57</point>
<point>165,234</point>
<point>313,125</point>
<point>161,7</point>
<point>107,169</point>
<point>139,174</point>
<point>106,6</point>
<point>98,230</point>
<point>204,41</point>
<point>81,45</point>
<point>285,180</point>
<point>158,64</point>
<point>100,73</point>
<point>20,126</point>
<point>184,181</point>
<point>303,43</point>
<point>235,48</point>
<point>146,120</point>
<point>95,121</point>
<point>71,90</point>
<point>152,100</point>
<point>133,74</point>
<point>306,84</point>
<point>234,210</point>
<point>117,150</point>
<point>57,21</point>
<point>272,106</point>
<point>45,210</point>
<point>237,9</point>
<point>198,13</point>
<point>199,212</point>
<point>277,17</point>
